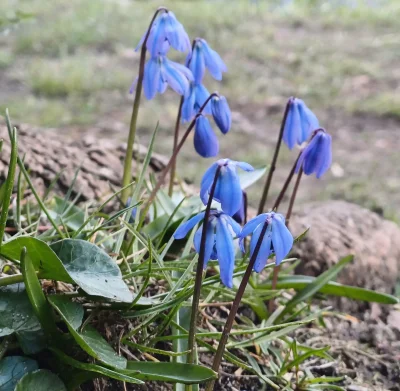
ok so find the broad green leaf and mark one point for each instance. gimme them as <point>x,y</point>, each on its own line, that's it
<point>41,380</point>
<point>333,288</point>
<point>101,371</point>
<point>92,269</point>
<point>89,339</point>
<point>171,372</point>
<point>43,258</point>
<point>249,178</point>
<point>12,369</point>
<point>17,316</point>
<point>72,216</point>
<point>36,296</point>
<point>316,285</point>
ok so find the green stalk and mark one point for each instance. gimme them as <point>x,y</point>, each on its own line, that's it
<point>235,306</point>
<point>176,137</point>
<point>264,196</point>
<point>9,182</point>
<point>127,174</point>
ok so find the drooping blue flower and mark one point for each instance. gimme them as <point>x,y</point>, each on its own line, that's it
<point>300,122</point>
<point>205,141</point>
<point>160,72</point>
<point>218,243</point>
<point>277,238</point>
<point>203,57</point>
<point>228,190</point>
<point>317,155</point>
<point>198,94</point>
<point>166,28</point>
<point>221,113</point>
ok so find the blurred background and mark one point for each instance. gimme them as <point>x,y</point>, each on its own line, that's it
<point>69,64</point>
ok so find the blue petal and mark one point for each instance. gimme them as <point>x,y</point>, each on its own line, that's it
<point>265,248</point>
<point>210,242</point>
<point>282,239</point>
<point>206,182</point>
<point>157,36</point>
<point>205,140</point>
<point>252,225</point>
<point>183,229</point>
<point>202,95</point>
<point>176,34</point>
<point>221,113</point>
<point>230,193</point>
<point>213,61</point>
<point>188,105</point>
<point>185,71</point>
<point>327,154</point>
<point>133,86</point>
<point>292,125</point>
<point>151,78</point>
<point>197,65</point>
<point>225,253</point>
<point>313,154</point>
<point>245,166</point>
<point>235,226</point>
<point>175,79</point>
<point>309,122</point>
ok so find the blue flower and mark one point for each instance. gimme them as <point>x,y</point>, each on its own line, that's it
<point>221,113</point>
<point>219,241</point>
<point>317,155</point>
<point>205,141</point>
<point>203,57</point>
<point>198,94</point>
<point>166,28</point>
<point>277,238</point>
<point>300,122</point>
<point>228,190</point>
<point>160,72</point>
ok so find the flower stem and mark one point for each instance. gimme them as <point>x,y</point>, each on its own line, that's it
<point>127,174</point>
<point>172,159</point>
<point>235,306</point>
<point>199,272</point>
<point>288,215</point>
<point>176,137</point>
<point>274,160</point>
<point>285,185</point>
<point>293,197</point>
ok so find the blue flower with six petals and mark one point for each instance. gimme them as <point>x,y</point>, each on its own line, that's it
<point>317,155</point>
<point>277,238</point>
<point>166,28</point>
<point>160,72</point>
<point>300,122</point>
<point>218,243</point>
<point>198,94</point>
<point>228,190</point>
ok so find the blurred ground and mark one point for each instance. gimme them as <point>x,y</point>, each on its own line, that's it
<point>70,66</point>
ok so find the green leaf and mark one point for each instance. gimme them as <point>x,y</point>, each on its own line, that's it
<point>72,215</point>
<point>92,269</point>
<point>41,380</point>
<point>333,288</point>
<point>88,339</point>
<point>101,371</point>
<point>17,316</point>
<point>316,285</point>
<point>251,177</point>
<point>36,296</point>
<point>12,369</point>
<point>171,372</point>
<point>43,258</point>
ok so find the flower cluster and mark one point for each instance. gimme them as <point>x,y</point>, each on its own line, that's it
<point>222,228</point>
<point>160,72</point>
